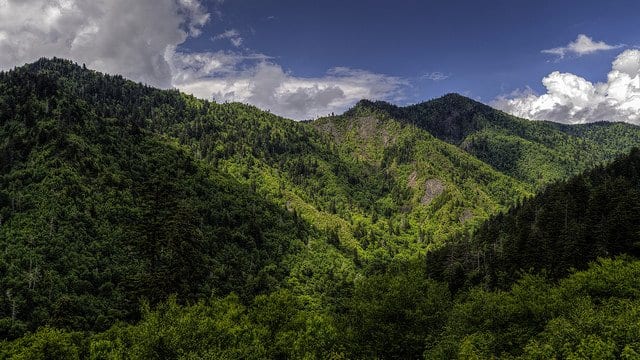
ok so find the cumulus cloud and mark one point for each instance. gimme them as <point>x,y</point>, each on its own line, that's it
<point>572,99</point>
<point>132,38</point>
<point>256,79</point>
<point>582,45</point>
<point>142,40</point>
<point>232,35</point>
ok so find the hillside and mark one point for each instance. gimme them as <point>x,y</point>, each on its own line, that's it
<point>571,223</point>
<point>97,212</point>
<point>108,186</point>
<point>446,190</point>
<point>299,167</point>
<point>138,223</point>
<point>536,152</point>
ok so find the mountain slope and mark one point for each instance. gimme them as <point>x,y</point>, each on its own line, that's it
<point>536,152</point>
<point>222,231</point>
<point>445,189</point>
<point>596,214</point>
<point>295,165</point>
<point>97,213</point>
<point>112,192</point>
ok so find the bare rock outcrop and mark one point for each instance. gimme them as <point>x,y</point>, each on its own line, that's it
<point>433,188</point>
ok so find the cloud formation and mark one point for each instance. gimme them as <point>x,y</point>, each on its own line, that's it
<point>132,38</point>
<point>257,80</point>
<point>435,76</point>
<point>582,45</point>
<point>573,99</point>
<point>142,39</point>
<point>232,35</point>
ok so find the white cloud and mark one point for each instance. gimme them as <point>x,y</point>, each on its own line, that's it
<point>573,99</point>
<point>142,39</point>
<point>232,35</point>
<point>583,45</point>
<point>132,38</point>
<point>435,76</point>
<point>257,80</point>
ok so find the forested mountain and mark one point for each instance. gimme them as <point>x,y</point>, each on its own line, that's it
<point>571,223</point>
<point>138,223</point>
<point>445,190</point>
<point>108,185</point>
<point>96,212</point>
<point>536,152</point>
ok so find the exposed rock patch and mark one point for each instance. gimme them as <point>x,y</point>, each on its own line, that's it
<point>466,215</point>
<point>367,126</point>
<point>433,188</point>
<point>330,128</point>
<point>412,182</point>
<point>386,139</point>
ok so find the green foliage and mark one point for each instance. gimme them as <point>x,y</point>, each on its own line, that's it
<point>97,213</point>
<point>436,190</point>
<point>395,315</point>
<point>536,152</point>
<point>138,223</point>
<point>569,224</point>
<point>574,319</point>
<point>45,344</point>
<point>398,315</point>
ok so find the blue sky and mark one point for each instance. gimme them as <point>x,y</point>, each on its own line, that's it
<point>304,59</point>
<point>486,48</point>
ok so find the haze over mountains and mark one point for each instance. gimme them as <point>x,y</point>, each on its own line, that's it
<point>384,232</point>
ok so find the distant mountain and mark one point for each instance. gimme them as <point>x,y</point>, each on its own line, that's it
<point>537,152</point>
<point>445,189</point>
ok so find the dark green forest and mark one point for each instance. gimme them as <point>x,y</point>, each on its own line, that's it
<point>138,223</point>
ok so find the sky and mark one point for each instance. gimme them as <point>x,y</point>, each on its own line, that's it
<point>566,61</point>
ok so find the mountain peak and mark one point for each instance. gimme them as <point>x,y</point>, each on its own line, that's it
<point>54,63</point>
<point>457,102</point>
<point>369,106</point>
<point>454,95</point>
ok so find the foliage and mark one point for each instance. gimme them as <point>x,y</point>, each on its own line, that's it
<point>536,152</point>
<point>138,223</point>
<point>97,213</point>
<point>596,214</point>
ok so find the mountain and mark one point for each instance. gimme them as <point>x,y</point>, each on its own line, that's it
<point>114,192</point>
<point>147,224</point>
<point>536,152</point>
<point>97,212</point>
<point>445,189</point>
<point>571,223</point>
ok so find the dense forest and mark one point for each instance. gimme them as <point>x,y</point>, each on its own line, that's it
<point>138,223</point>
<point>571,223</point>
<point>536,152</point>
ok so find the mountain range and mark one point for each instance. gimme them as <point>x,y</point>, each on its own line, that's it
<point>145,223</point>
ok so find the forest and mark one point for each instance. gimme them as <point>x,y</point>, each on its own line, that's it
<point>138,223</point>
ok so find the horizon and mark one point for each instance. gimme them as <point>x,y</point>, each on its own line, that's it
<point>354,105</point>
<point>302,60</point>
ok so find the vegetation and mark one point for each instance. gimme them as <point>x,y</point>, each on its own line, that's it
<point>596,214</point>
<point>138,223</point>
<point>440,190</point>
<point>590,314</point>
<point>98,212</point>
<point>536,152</point>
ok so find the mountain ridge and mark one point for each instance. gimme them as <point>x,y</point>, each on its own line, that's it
<point>148,224</point>
<point>536,152</point>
